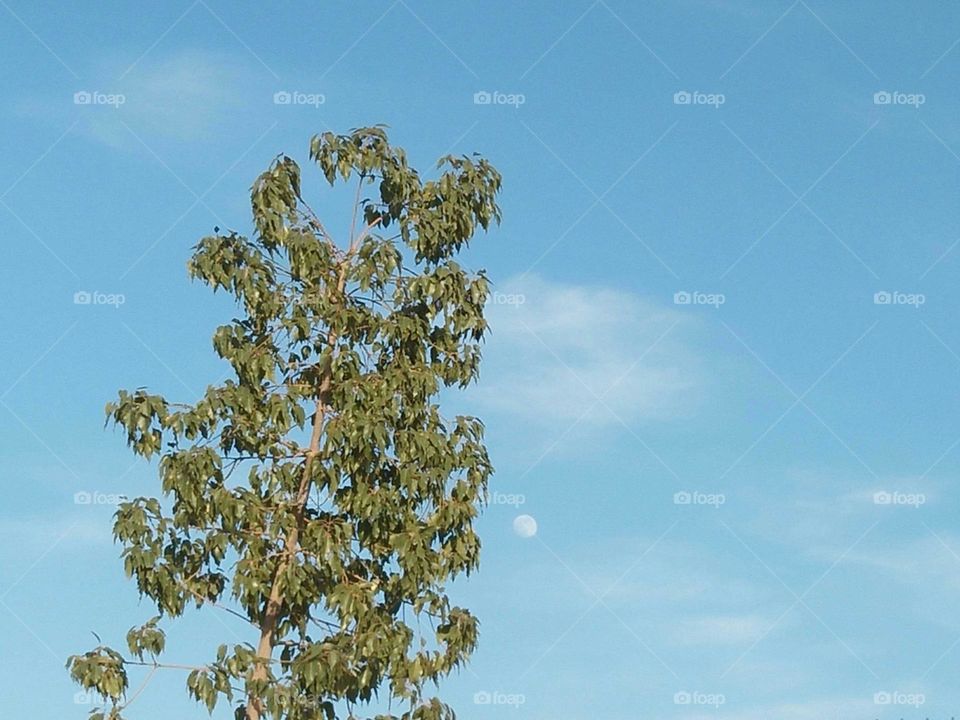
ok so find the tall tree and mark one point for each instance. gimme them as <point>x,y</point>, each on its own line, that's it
<point>320,494</point>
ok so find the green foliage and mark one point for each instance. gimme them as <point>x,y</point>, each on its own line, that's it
<point>320,494</point>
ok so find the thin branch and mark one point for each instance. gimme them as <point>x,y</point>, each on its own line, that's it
<point>142,687</point>
<point>318,224</point>
<point>356,205</point>
<point>167,666</point>
<point>216,604</point>
<point>368,228</point>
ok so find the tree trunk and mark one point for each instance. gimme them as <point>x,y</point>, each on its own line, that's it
<point>271,613</point>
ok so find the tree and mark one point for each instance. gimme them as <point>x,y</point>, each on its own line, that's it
<point>320,494</point>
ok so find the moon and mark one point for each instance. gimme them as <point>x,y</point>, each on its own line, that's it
<point>525,526</point>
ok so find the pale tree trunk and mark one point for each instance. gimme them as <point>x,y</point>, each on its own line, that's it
<point>275,601</point>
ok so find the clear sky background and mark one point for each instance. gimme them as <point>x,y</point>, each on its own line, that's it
<point>786,194</point>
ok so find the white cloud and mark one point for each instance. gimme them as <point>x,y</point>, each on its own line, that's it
<point>184,95</point>
<point>722,629</point>
<point>181,96</point>
<point>827,709</point>
<point>737,9</point>
<point>36,535</point>
<point>823,513</point>
<point>555,348</point>
<point>894,547</point>
<point>927,569</point>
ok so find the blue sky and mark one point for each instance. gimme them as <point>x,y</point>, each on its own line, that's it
<point>725,365</point>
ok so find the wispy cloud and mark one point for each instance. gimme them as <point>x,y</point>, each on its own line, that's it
<point>722,630</point>
<point>595,354</point>
<point>182,96</point>
<point>185,95</point>
<point>825,709</point>
<point>35,534</point>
